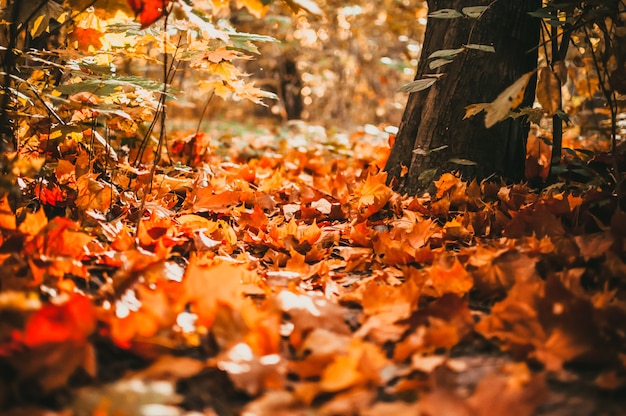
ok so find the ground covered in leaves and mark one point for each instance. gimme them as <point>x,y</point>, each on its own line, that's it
<point>280,275</point>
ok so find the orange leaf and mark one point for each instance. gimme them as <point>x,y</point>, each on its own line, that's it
<point>217,56</point>
<point>58,239</point>
<point>450,279</point>
<point>33,223</point>
<point>7,217</point>
<point>374,194</point>
<point>257,8</point>
<point>72,321</point>
<point>341,373</point>
<point>86,37</point>
<point>207,285</point>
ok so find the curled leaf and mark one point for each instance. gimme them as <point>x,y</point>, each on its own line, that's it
<point>508,100</point>
<point>548,90</point>
<point>439,62</point>
<point>418,85</point>
<point>446,53</point>
<point>463,162</point>
<point>484,48</point>
<point>445,14</point>
<point>474,11</point>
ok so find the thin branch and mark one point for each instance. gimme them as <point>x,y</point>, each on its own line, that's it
<point>206,106</point>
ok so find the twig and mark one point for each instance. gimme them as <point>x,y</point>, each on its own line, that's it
<point>163,115</point>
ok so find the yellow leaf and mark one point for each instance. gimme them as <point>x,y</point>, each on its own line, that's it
<point>508,100</point>
<point>341,373</point>
<point>473,109</point>
<point>255,7</point>
<point>38,21</point>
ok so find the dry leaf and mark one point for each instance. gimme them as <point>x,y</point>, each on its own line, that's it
<point>548,90</point>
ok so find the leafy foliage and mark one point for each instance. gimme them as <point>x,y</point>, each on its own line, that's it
<point>234,271</point>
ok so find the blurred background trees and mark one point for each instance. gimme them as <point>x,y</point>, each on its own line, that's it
<point>349,60</point>
<point>333,63</point>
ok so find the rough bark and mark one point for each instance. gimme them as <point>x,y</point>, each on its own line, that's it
<point>434,117</point>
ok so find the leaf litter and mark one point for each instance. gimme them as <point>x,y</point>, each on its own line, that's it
<point>281,275</point>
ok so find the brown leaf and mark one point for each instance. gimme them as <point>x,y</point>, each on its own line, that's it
<point>519,390</point>
<point>548,90</point>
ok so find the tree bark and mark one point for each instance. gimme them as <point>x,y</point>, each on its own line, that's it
<point>434,117</point>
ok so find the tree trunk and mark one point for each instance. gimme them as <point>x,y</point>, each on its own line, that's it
<point>434,117</point>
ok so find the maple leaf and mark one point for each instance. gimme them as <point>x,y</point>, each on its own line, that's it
<point>59,238</point>
<point>71,321</point>
<point>140,313</point>
<point>221,54</point>
<point>373,194</point>
<point>360,364</point>
<point>393,251</point>
<point>520,390</point>
<point>87,38</point>
<point>398,301</point>
<point>514,320</point>
<point>495,271</point>
<point>149,11</point>
<point>449,277</point>
<point>94,194</point>
<point>209,285</point>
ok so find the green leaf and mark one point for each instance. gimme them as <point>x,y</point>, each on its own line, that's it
<point>570,151</point>
<point>425,152</point>
<point>558,169</point>
<point>543,13</point>
<point>584,171</point>
<point>474,11</point>
<point>250,37</point>
<point>446,53</point>
<point>484,48</point>
<point>562,115</point>
<point>439,62</point>
<point>427,175</point>
<point>103,87</point>
<point>418,85</point>
<point>445,14</point>
<point>464,162</point>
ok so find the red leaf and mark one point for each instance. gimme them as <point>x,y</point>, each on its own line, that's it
<point>86,37</point>
<point>72,321</point>
<point>149,11</point>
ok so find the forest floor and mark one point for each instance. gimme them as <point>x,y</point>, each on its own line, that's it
<point>263,272</point>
